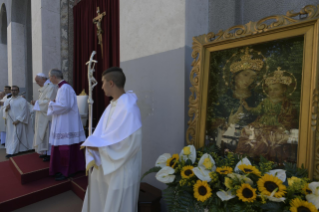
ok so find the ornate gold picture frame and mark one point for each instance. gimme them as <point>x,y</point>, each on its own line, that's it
<point>277,58</point>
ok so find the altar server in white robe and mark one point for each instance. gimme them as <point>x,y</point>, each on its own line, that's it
<point>16,112</point>
<point>2,121</point>
<point>48,93</point>
<point>7,91</point>
<point>67,131</point>
<point>115,151</point>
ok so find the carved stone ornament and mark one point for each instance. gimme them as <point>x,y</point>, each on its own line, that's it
<point>278,24</point>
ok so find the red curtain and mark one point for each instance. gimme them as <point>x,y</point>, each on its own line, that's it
<point>86,41</point>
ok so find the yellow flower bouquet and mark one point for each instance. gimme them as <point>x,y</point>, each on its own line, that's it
<point>203,180</point>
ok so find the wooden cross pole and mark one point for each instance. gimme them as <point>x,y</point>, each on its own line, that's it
<point>97,20</point>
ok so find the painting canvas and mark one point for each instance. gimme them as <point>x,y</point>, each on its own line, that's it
<point>253,102</point>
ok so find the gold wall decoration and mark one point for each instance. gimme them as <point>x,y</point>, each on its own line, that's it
<point>274,28</point>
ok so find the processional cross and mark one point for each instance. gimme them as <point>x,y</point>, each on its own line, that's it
<point>97,20</point>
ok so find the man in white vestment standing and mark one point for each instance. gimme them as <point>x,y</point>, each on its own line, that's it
<point>67,131</point>
<point>2,121</point>
<point>7,91</point>
<point>48,93</point>
<point>115,150</point>
<point>16,112</point>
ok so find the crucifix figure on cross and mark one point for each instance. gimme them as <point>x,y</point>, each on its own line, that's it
<point>97,20</point>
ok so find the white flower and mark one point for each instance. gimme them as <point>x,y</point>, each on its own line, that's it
<point>314,197</point>
<point>279,173</point>
<point>165,175</point>
<point>242,178</point>
<point>242,161</point>
<point>161,160</point>
<point>225,195</point>
<point>202,174</point>
<point>206,165</point>
<point>188,152</point>
<point>274,199</point>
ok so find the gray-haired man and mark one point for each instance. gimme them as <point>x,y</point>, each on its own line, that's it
<point>42,121</point>
<point>67,131</point>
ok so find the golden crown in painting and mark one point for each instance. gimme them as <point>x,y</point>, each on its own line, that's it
<point>247,62</point>
<point>278,78</point>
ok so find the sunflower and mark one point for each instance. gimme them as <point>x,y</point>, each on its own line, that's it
<point>249,169</point>
<point>306,190</point>
<point>202,191</point>
<point>268,183</point>
<point>224,170</point>
<point>298,205</point>
<point>246,193</point>
<point>187,172</point>
<point>171,162</point>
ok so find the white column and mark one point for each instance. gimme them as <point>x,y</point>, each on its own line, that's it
<point>4,65</point>
<point>46,53</point>
<point>16,54</point>
<point>45,35</point>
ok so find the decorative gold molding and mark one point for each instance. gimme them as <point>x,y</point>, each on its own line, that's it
<point>195,94</point>
<point>316,164</point>
<point>251,28</point>
<point>314,110</point>
<point>314,123</point>
<point>277,27</point>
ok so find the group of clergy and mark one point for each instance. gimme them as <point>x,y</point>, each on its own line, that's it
<point>50,125</point>
<point>113,152</point>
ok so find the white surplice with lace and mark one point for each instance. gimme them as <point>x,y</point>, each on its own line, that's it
<point>66,127</point>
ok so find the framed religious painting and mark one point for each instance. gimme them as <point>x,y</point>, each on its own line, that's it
<point>255,89</point>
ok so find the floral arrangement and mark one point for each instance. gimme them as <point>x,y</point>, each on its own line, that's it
<point>202,180</point>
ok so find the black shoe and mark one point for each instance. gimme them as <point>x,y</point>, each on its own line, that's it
<point>58,175</point>
<point>3,144</point>
<point>8,155</point>
<point>42,156</point>
<point>46,159</point>
<point>62,177</point>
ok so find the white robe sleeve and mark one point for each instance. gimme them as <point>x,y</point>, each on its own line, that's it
<point>23,114</point>
<point>43,103</point>
<point>64,104</point>
<point>115,156</point>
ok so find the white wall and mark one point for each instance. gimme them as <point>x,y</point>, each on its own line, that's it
<point>155,47</point>
<point>152,47</point>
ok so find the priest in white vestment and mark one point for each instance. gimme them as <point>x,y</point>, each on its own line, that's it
<point>2,121</point>
<point>7,91</point>
<point>115,151</point>
<point>67,131</point>
<point>17,112</point>
<point>48,93</point>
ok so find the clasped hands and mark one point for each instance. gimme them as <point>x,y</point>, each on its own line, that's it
<point>15,123</point>
<point>8,108</point>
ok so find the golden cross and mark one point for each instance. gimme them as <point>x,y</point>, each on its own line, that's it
<point>97,20</point>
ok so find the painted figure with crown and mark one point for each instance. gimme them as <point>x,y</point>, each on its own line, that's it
<point>276,116</point>
<point>242,73</point>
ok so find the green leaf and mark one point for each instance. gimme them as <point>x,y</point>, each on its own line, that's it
<point>154,169</point>
<point>272,207</point>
